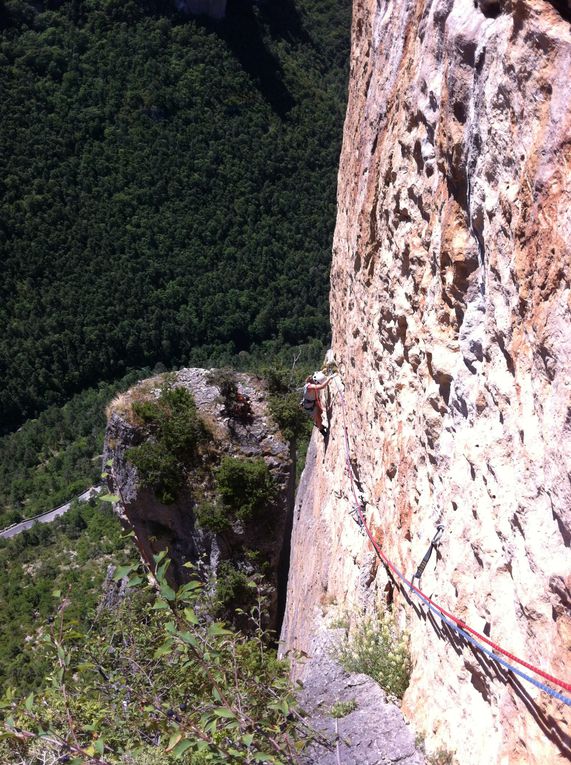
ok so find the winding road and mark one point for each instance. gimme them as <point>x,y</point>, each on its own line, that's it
<point>48,517</point>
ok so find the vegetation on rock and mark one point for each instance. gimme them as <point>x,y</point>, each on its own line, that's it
<point>375,648</point>
<point>343,708</point>
<point>174,434</point>
<point>246,487</point>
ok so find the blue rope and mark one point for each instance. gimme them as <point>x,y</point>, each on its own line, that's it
<point>476,643</point>
<point>491,654</point>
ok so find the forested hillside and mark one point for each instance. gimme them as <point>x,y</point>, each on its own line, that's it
<point>167,186</point>
<point>71,554</point>
<point>57,455</point>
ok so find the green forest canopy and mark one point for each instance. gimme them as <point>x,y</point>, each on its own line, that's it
<point>167,186</point>
<point>58,455</point>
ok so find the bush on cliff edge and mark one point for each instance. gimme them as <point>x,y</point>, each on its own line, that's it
<point>175,434</point>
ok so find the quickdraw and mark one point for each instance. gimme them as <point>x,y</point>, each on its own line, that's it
<point>433,546</point>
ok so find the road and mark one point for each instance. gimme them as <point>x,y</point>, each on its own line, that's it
<point>48,517</point>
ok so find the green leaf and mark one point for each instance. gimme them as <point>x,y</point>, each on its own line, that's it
<point>135,581</point>
<point>109,497</point>
<point>99,746</point>
<point>181,748</point>
<point>160,605</point>
<point>263,757</point>
<point>161,570</point>
<point>173,741</point>
<point>167,592</point>
<point>247,739</point>
<point>76,761</point>
<point>29,702</point>
<point>189,639</point>
<point>211,726</point>
<point>224,712</point>
<point>218,628</point>
<point>85,666</point>
<point>188,589</point>
<point>122,571</point>
<point>162,650</point>
<point>56,593</point>
<point>159,556</point>
<point>190,616</point>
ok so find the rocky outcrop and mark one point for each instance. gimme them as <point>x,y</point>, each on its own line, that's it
<point>173,527</point>
<point>451,316</point>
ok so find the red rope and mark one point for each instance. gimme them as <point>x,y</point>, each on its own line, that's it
<point>394,569</point>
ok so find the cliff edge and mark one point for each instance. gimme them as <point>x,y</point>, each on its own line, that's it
<point>451,317</point>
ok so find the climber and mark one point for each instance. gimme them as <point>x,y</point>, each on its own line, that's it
<point>311,400</point>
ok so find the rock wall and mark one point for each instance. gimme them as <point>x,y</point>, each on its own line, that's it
<point>451,316</point>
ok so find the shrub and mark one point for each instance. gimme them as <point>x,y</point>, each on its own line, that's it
<point>212,516</point>
<point>440,757</point>
<point>236,405</point>
<point>246,487</point>
<point>343,708</point>
<point>292,420</point>
<point>376,649</point>
<point>158,468</point>
<point>233,588</point>
<point>175,433</point>
<point>156,673</point>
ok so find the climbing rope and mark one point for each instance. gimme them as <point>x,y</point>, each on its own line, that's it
<point>457,625</point>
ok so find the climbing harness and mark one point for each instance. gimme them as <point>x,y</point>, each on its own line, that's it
<point>466,632</point>
<point>433,546</point>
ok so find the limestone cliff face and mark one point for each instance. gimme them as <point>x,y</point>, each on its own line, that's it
<point>451,315</point>
<point>173,527</point>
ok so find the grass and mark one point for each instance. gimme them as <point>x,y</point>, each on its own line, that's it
<point>343,708</point>
<point>122,404</point>
<point>440,756</point>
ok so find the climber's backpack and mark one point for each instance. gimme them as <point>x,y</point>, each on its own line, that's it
<point>307,402</point>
